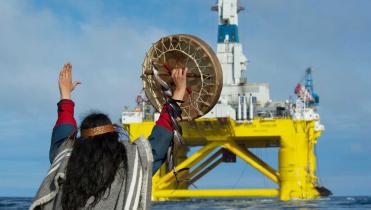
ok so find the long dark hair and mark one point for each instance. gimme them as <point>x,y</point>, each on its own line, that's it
<point>93,165</point>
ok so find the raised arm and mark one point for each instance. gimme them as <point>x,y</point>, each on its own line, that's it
<point>66,123</point>
<point>162,134</point>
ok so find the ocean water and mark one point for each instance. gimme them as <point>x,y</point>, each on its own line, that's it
<point>336,202</point>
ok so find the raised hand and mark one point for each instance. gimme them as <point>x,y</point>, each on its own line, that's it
<point>180,79</point>
<point>66,85</point>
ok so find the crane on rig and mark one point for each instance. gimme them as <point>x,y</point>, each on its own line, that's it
<point>306,91</point>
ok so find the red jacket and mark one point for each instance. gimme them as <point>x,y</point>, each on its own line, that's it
<point>160,138</point>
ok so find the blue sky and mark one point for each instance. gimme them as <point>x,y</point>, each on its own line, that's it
<point>106,42</point>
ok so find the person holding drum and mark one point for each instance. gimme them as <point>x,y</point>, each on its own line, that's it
<point>95,170</point>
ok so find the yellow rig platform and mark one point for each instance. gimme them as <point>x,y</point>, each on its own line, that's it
<point>295,176</point>
<point>244,118</point>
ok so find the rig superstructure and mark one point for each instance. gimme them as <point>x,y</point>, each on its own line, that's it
<point>245,117</point>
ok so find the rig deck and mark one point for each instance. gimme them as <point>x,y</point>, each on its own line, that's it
<point>224,139</point>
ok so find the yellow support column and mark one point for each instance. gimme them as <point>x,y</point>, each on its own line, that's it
<point>294,164</point>
<point>313,135</point>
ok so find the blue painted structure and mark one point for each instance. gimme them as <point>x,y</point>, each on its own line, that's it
<point>309,86</point>
<point>228,29</point>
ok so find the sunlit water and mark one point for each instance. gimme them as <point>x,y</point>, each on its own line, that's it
<point>337,202</point>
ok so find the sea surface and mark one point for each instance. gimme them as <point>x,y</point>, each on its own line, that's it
<point>336,202</point>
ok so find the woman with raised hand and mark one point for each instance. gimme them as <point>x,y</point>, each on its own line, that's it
<point>96,170</point>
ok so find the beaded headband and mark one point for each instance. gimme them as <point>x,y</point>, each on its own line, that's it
<point>89,132</point>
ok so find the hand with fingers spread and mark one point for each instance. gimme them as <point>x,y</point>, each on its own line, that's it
<point>66,85</point>
<point>180,79</point>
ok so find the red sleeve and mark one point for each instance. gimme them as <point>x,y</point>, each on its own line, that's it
<point>164,119</point>
<point>65,112</point>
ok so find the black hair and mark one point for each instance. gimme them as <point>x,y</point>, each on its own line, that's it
<point>93,165</point>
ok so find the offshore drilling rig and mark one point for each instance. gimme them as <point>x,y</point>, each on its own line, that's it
<point>243,118</point>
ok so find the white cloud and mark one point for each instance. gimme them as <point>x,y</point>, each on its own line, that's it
<point>106,56</point>
<point>34,44</point>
